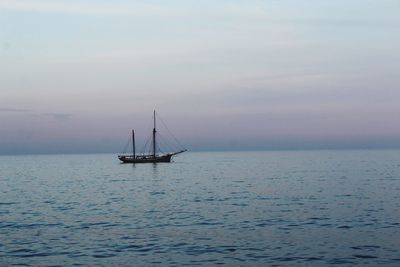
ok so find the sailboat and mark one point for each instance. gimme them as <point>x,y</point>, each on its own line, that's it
<point>152,157</point>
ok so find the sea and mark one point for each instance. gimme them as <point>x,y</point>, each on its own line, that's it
<point>264,208</point>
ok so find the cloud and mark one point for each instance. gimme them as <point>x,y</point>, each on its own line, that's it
<point>14,110</point>
<point>57,116</point>
<point>68,7</point>
<point>53,115</point>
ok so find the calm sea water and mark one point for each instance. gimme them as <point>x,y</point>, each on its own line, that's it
<point>299,208</point>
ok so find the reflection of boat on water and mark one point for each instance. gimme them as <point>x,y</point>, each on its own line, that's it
<point>153,156</point>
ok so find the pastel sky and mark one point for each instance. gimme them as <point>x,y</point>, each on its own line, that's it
<point>77,75</point>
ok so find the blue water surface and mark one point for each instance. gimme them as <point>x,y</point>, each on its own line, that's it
<point>286,208</point>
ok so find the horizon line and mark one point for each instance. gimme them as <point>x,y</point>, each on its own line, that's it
<point>212,151</point>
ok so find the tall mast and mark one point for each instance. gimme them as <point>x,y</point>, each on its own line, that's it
<point>154,135</point>
<point>133,144</point>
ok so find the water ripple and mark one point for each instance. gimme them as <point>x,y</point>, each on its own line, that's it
<point>300,208</point>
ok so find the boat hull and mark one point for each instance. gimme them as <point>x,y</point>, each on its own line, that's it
<point>131,159</point>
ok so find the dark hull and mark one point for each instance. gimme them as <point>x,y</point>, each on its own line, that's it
<point>139,159</point>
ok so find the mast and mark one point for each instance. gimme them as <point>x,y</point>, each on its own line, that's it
<point>133,144</point>
<point>154,135</point>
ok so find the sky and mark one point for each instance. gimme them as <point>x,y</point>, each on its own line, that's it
<point>77,75</point>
